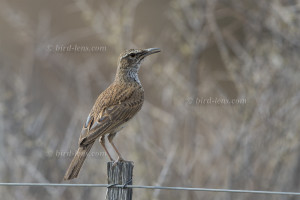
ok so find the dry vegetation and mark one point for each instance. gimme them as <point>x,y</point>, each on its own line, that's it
<point>210,48</point>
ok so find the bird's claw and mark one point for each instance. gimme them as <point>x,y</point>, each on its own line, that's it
<point>120,159</point>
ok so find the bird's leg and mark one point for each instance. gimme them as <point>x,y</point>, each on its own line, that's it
<point>102,142</point>
<point>110,139</point>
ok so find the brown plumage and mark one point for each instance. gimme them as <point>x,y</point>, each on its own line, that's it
<point>113,108</point>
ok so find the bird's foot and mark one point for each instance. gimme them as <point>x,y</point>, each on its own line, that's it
<point>120,159</point>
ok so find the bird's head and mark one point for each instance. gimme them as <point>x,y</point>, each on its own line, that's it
<point>131,59</point>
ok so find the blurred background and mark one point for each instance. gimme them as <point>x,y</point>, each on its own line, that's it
<point>221,100</point>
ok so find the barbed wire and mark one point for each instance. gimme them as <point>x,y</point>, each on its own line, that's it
<point>150,187</point>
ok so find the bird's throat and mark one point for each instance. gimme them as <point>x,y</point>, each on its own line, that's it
<point>128,76</point>
<point>133,75</point>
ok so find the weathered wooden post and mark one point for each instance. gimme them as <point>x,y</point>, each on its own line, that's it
<point>120,174</point>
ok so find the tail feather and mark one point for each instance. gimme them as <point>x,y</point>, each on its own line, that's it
<point>77,162</point>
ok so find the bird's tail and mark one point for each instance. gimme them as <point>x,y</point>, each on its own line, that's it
<point>77,162</point>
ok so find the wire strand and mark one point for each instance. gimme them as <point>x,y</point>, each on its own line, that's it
<point>151,187</point>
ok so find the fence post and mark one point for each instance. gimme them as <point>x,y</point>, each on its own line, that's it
<point>119,174</point>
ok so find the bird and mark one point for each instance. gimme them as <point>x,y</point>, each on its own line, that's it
<point>114,107</point>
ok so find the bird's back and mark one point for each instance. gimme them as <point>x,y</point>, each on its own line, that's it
<point>130,94</point>
<point>113,107</point>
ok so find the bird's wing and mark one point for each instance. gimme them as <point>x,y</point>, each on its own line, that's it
<point>109,119</point>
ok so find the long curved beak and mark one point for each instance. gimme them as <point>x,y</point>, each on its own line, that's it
<point>150,51</point>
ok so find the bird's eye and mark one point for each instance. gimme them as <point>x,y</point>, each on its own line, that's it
<point>132,55</point>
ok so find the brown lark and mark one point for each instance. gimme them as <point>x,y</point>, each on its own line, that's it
<point>113,108</point>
